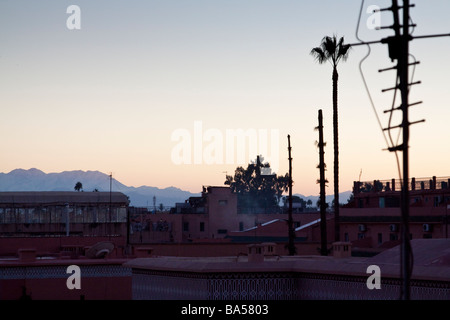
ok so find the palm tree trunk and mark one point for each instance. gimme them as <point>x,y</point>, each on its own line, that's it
<point>336,155</point>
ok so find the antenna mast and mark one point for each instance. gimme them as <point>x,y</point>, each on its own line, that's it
<point>110,203</point>
<point>322,181</point>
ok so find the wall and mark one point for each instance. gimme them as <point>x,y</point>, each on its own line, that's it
<point>378,221</point>
<point>54,245</point>
<point>221,249</point>
<point>100,280</point>
<point>149,284</point>
<point>222,210</point>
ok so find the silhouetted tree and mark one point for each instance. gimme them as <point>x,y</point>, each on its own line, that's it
<point>78,186</point>
<point>255,189</point>
<point>333,51</point>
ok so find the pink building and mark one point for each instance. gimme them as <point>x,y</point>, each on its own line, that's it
<point>373,218</point>
<point>215,216</point>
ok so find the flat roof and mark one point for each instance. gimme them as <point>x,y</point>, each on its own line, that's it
<point>432,258</point>
<point>59,197</point>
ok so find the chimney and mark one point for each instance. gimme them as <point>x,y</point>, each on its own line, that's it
<point>255,253</point>
<point>144,252</point>
<point>342,249</point>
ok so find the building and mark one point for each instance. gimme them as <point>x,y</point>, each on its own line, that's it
<point>213,216</point>
<point>207,248</point>
<point>262,274</point>
<point>47,221</point>
<point>43,233</point>
<point>373,218</point>
<point>58,212</point>
<point>277,231</point>
<point>37,277</point>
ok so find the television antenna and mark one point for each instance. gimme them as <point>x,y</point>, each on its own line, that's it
<point>398,46</point>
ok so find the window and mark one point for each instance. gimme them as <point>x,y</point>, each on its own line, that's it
<point>202,226</point>
<point>222,231</point>
<point>381,202</point>
<point>297,224</point>
<point>186,226</point>
<point>437,200</point>
<point>346,238</point>
<point>361,235</point>
<point>223,202</point>
<point>241,226</point>
<point>380,238</point>
<point>360,203</point>
<point>393,236</point>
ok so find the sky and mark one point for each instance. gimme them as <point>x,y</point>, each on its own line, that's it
<point>153,91</point>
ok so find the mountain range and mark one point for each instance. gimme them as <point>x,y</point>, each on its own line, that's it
<point>36,180</point>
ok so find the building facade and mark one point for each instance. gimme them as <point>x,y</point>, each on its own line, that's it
<point>373,218</point>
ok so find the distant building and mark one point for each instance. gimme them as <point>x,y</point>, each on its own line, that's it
<point>216,215</point>
<point>58,212</point>
<point>372,219</point>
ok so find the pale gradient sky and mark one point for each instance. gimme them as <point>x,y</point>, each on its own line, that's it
<point>109,96</point>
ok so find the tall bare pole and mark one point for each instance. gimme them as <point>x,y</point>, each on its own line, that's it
<point>403,74</point>
<point>322,181</point>
<point>110,204</point>
<point>291,246</point>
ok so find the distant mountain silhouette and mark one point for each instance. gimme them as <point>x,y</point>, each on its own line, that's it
<point>343,197</point>
<point>37,180</point>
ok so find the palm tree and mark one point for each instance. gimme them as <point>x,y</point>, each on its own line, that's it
<point>78,186</point>
<point>333,51</point>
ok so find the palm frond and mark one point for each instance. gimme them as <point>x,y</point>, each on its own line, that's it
<point>343,51</point>
<point>332,50</point>
<point>318,54</point>
<point>329,46</point>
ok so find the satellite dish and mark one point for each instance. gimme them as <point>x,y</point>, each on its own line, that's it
<point>100,250</point>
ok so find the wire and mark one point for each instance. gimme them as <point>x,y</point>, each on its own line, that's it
<point>370,96</point>
<point>362,74</point>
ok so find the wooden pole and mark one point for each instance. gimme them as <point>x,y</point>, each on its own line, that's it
<point>291,246</point>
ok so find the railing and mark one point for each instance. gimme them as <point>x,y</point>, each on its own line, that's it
<point>432,183</point>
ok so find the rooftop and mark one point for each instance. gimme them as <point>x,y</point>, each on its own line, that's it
<point>59,197</point>
<point>431,256</point>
